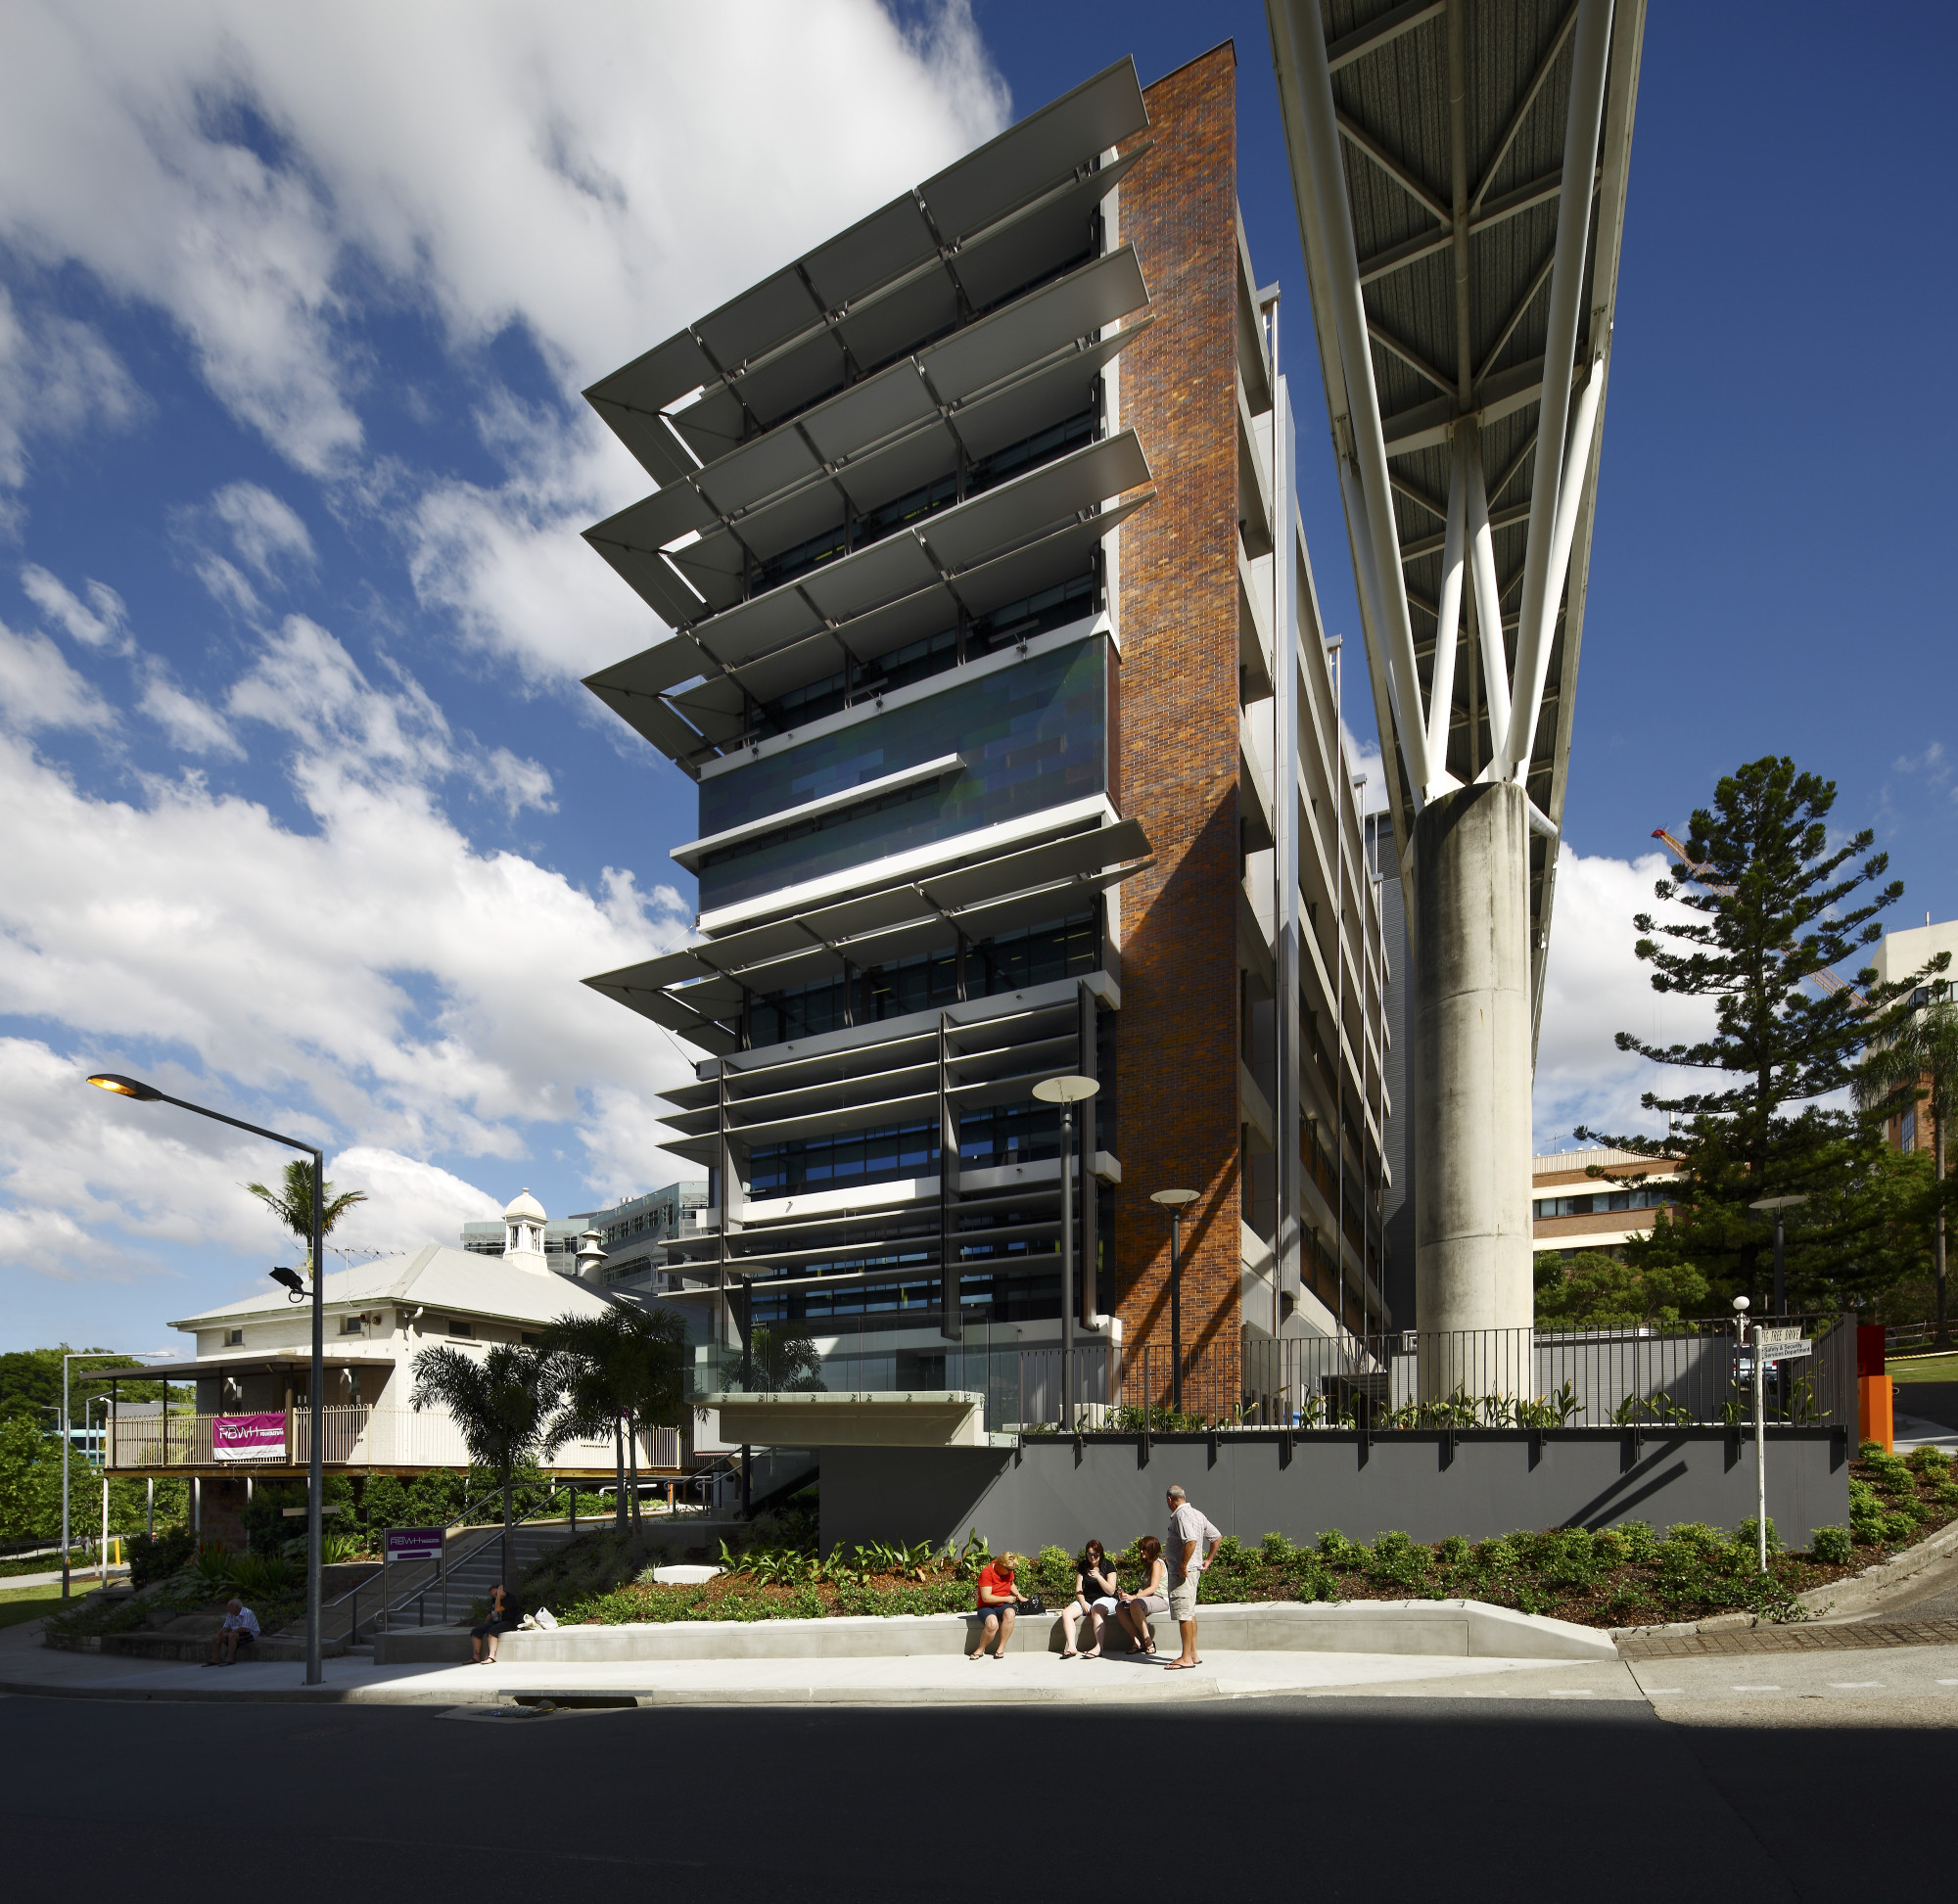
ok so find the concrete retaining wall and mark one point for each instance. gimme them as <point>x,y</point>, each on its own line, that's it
<point>1480,1483</point>
<point>1454,1629</point>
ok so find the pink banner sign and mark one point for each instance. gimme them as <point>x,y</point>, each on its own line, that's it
<point>248,1437</point>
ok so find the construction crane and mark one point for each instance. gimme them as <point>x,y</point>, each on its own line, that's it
<point>1825,981</point>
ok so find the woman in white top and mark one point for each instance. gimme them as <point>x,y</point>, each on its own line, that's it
<point>1136,1608</point>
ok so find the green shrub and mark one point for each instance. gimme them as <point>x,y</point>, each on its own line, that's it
<point>1607,1547</point>
<point>1277,1552</point>
<point>1640,1542</point>
<point>1928,1463</point>
<point>1892,1473</point>
<point>1831,1546</point>
<point>1899,1528</point>
<point>1454,1551</point>
<point>1337,1551</point>
<point>1052,1575</point>
<point>154,1559</point>
<point>1747,1537</point>
<point>1694,1534</point>
<point>1496,1554</point>
<point>1397,1560</point>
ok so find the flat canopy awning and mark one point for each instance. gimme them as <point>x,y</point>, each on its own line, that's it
<point>875,1419</point>
<point>300,1361</point>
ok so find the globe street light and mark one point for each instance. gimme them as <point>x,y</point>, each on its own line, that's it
<point>1174,1201</point>
<point>1067,1093</point>
<point>315,1473</point>
<point>1778,1204</point>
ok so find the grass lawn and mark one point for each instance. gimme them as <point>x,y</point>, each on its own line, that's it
<point>1922,1368</point>
<point>27,1603</point>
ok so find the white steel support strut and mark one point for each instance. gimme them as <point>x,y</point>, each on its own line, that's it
<point>1448,618</point>
<point>1584,122</point>
<point>1488,596</point>
<point>1380,544</point>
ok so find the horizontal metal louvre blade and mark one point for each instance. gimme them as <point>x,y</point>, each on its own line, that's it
<point>1035,325</point>
<point>1087,851</point>
<point>888,242</point>
<point>1097,114</point>
<point>646,436</point>
<point>1017,511</point>
<point>758,627</point>
<point>659,377</point>
<point>650,579</point>
<point>679,658</point>
<point>649,717</point>
<point>769,313</point>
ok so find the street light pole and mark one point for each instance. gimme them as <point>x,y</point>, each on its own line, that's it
<point>1779,1204</point>
<point>78,1355</point>
<point>316,1470</point>
<point>1067,1093</point>
<point>1175,1202</point>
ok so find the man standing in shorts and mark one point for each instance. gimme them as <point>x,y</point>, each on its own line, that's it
<point>1192,1541</point>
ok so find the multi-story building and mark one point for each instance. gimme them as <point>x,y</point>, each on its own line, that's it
<point>1898,956</point>
<point>1575,1213</point>
<point>997,661</point>
<point>629,1232</point>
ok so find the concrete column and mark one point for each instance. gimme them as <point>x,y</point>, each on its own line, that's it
<point>1472,1056</point>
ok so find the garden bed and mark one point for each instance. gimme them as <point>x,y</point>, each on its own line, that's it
<point>1628,1575</point>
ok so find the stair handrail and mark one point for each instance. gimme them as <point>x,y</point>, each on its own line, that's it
<point>448,1562</point>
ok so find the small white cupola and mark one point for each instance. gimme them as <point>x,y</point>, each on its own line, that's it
<point>591,1254</point>
<point>524,1233</point>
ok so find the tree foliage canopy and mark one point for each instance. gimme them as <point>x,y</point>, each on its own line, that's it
<point>291,1201</point>
<point>1775,904</point>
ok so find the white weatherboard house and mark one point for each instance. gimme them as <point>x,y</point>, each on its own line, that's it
<point>254,1360</point>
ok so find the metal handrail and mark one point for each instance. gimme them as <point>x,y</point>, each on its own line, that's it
<point>448,1562</point>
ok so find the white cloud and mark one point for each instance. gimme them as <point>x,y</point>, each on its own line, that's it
<point>264,531</point>
<point>102,622</point>
<point>1594,990</point>
<point>409,1202</point>
<point>517,783</point>
<point>378,981</point>
<point>56,376</point>
<point>271,176</point>
<point>39,689</point>
<point>192,727</point>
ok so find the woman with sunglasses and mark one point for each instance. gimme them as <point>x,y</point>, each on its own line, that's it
<point>1095,1594</point>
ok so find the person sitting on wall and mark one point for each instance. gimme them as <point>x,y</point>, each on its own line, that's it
<point>240,1628</point>
<point>502,1618</point>
<point>999,1602</point>
<point>1095,1594</point>
<point>1136,1609</point>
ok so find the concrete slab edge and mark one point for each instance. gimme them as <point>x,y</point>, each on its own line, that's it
<point>1864,1593</point>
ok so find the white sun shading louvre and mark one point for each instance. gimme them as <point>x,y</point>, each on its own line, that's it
<point>915,233</point>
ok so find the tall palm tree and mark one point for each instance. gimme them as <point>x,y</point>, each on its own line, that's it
<point>292,1203</point>
<point>501,1402</point>
<point>621,1371</point>
<point>1920,1066</point>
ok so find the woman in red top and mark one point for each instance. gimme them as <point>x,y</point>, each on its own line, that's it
<point>998,1602</point>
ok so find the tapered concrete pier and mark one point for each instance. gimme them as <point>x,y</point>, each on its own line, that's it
<point>1471,1055</point>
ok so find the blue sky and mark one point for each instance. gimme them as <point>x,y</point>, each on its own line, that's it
<point>307,815</point>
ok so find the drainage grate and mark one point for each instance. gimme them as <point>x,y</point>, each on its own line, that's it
<point>1856,1636</point>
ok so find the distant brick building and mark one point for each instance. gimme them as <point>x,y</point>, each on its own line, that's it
<point>1572,1212</point>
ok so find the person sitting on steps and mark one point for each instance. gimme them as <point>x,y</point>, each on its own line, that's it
<point>998,1602</point>
<point>1136,1609</point>
<point>1095,1594</point>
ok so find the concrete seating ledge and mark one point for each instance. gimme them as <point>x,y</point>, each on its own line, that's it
<point>1456,1628</point>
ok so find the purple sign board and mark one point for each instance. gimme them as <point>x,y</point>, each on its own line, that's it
<point>414,1543</point>
<point>248,1437</point>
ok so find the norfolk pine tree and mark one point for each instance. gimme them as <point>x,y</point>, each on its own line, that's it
<point>1758,1130</point>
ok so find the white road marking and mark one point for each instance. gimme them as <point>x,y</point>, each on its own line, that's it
<point>1754,1688</point>
<point>1850,1685</point>
<point>1570,1692</point>
<point>1651,1689</point>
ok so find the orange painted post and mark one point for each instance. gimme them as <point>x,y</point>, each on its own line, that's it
<point>1874,1399</point>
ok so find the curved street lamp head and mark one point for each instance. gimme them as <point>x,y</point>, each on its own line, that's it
<point>291,1281</point>
<point>1065,1090</point>
<point>124,1087</point>
<point>1173,1199</point>
<point>1777,1203</point>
